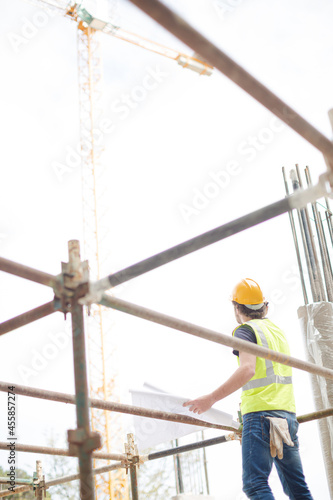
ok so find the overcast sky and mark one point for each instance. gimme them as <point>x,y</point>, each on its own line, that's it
<point>184,154</point>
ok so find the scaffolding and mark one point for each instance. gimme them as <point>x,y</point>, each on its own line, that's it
<point>73,291</point>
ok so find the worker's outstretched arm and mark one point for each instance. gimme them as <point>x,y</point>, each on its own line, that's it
<point>240,377</point>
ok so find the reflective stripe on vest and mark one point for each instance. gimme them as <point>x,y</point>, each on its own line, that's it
<point>270,378</point>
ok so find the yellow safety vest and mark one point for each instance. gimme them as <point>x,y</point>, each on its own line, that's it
<point>271,387</point>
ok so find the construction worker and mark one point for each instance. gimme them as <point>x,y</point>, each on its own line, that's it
<point>268,404</point>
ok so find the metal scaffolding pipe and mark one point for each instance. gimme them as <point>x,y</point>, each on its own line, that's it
<point>123,457</point>
<point>209,52</point>
<point>4,480</point>
<point>80,439</point>
<point>294,233</point>
<point>110,406</point>
<point>313,251</point>
<point>326,263</point>
<point>64,479</point>
<point>46,450</point>
<point>219,338</point>
<point>40,479</point>
<point>27,317</point>
<point>28,273</point>
<point>73,477</point>
<point>229,437</point>
<point>20,489</point>
<point>134,482</point>
<point>82,403</point>
<point>317,286</point>
<point>328,214</point>
<point>289,203</point>
<point>189,447</point>
<point>316,415</point>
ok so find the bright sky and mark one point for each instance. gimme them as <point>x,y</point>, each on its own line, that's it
<point>170,142</point>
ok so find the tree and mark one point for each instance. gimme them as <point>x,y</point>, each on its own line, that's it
<point>58,466</point>
<point>156,479</point>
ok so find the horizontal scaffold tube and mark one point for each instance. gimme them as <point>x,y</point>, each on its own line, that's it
<point>219,338</point>
<point>27,317</point>
<point>73,477</point>
<point>19,489</point>
<point>28,273</point>
<point>316,415</point>
<point>297,200</point>
<point>64,479</point>
<point>190,447</point>
<point>25,482</point>
<point>217,58</point>
<point>111,406</point>
<point>46,450</point>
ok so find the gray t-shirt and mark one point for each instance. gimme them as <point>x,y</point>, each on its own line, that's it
<point>245,332</point>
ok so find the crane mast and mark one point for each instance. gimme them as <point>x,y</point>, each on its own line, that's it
<point>102,382</point>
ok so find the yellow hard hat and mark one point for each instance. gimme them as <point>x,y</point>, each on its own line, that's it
<point>248,292</point>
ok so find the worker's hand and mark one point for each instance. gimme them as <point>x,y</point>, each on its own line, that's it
<point>200,405</point>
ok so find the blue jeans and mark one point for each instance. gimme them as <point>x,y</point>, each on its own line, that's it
<point>257,460</point>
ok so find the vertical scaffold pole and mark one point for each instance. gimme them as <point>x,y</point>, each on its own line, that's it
<point>82,400</point>
<point>133,458</point>
<point>325,259</point>
<point>81,440</point>
<point>40,480</point>
<point>178,472</point>
<point>294,233</point>
<point>134,482</point>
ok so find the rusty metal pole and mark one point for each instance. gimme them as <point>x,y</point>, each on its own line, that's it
<point>218,59</point>
<point>28,317</point>
<point>213,336</point>
<point>74,477</point>
<point>20,489</point>
<point>133,459</point>
<point>111,406</point>
<point>82,403</point>
<point>316,415</point>
<point>40,481</point>
<point>134,482</point>
<point>46,450</point>
<point>28,273</point>
<point>295,201</point>
<point>81,440</point>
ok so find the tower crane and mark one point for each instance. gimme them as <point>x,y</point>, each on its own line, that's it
<point>90,27</point>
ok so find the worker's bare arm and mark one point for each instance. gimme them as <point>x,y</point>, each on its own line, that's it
<point>240,377</point>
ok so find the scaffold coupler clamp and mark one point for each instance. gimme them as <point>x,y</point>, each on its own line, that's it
<point>322,189</point>
<point>131,450</point>
<point>38,483</point>
<point>326,181</point>
<point>73,282</point>
<point>93,296</point>
<point>79,438</point>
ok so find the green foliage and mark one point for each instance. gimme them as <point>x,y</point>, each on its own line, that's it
<point>58,466</point>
